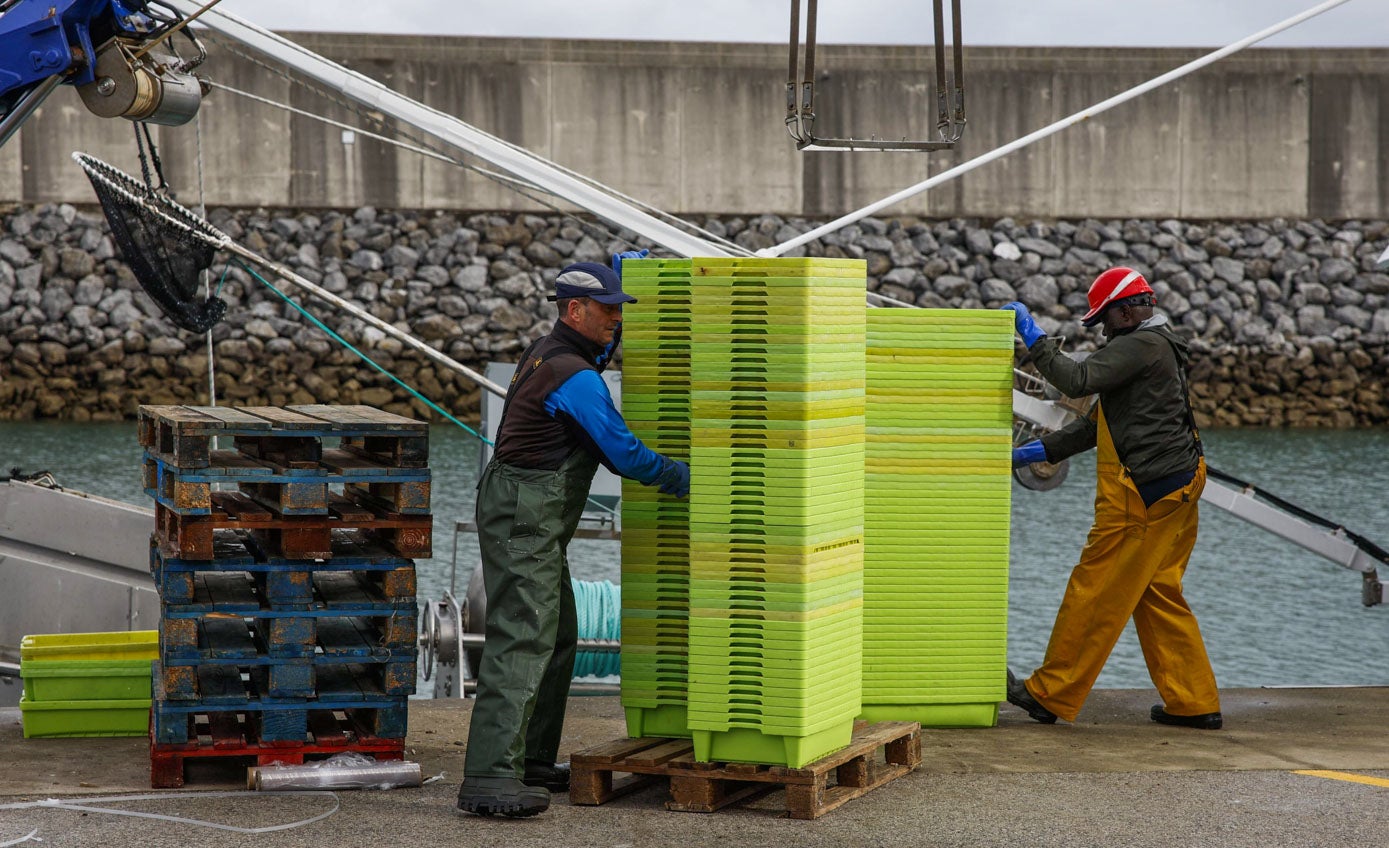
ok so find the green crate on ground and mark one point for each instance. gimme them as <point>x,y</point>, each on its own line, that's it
<point>86,680</point>
<point>59,719</point>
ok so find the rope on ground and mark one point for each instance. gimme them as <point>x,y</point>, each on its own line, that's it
<point>87,807</point>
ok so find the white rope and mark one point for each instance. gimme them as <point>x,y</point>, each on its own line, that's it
<point>207,276</point>
<point>57,804</point>
<point>1052,129</point>
<point>506,179</point>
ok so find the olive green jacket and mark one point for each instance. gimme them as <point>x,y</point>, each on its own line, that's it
<point>1140,386</point>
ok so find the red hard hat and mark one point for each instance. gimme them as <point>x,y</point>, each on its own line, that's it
<point>1111,286</point>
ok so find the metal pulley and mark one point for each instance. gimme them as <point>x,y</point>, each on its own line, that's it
<point>149,87</point>
<point>1042,476</point>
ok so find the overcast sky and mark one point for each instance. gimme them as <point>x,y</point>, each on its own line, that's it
<point>1140,23</point>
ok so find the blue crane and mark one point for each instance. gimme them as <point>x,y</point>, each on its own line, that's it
<point>119,54</point>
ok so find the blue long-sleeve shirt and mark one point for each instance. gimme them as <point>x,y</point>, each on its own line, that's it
<point>584,403</point>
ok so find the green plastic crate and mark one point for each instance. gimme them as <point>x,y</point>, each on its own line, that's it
<point>121,645</point>
<point>54,719</point>
<point>86,680</point>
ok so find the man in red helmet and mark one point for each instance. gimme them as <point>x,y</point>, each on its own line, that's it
<point>1150,473</point>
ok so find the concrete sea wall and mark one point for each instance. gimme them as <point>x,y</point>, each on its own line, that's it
<point>1288,320</point>
<point>697,128</point>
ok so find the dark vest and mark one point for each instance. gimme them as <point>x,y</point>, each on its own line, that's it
<point>529,437</point>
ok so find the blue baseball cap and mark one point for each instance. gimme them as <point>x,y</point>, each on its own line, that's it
<point>591,279</point>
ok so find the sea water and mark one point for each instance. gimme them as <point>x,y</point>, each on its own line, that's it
<point>1272,613</point>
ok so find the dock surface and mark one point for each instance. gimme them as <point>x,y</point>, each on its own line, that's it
<point>1112,778</point>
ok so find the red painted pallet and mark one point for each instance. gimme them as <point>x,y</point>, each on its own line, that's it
<point>227,735</point>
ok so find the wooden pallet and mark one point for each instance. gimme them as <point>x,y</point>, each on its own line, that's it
<point>697,787</point>
<point>223,736</point>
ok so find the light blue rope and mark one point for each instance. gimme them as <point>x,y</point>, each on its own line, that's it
<point>599,606</point>
<point>367,359</point>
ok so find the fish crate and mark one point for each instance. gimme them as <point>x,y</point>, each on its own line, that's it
<point>877,753</point>
<point>237,739</point>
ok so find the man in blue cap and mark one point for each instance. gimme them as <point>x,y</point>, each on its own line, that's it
<point>558,423</point>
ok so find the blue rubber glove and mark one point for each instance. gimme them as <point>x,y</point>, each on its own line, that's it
<point>675,478</point>
<point>630,254</point>
<point>1029,453</point>
<point>1027,328</point>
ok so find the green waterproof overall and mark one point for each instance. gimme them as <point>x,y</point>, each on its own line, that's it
<point>525,519</point>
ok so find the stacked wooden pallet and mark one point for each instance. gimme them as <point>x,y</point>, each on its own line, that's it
<point>283,553</point>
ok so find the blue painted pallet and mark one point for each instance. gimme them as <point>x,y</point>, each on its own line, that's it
<point>296,634</point>
<point>233,681</point>
<point>236,641</point>
<point>335,593</point>
<point>281,719</point>
<point>300,491</point>
<point>233,552</point>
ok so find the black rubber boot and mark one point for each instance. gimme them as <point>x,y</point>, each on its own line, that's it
<point>552,776</point>
<point>1019,697</point>
<point>485,796</point>
<point>1204,721</point>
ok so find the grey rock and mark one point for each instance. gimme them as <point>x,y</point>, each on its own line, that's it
<point>471,278</point>
<point>1114,248</point>
<point>1351,315</point>
<point>1008,251</point>
<point>1342,295</point>
<point>952,287</point>
<point>979,241</point>
<point>1230,270</point>
<point>166,345</point>
<point>15,253</point>
<point>1336,271</point>
<point>400,256</point>
<point>994,289</point>
<point>433,275</point>
<point>516,286</point>
<point>90,290</point>
<point>907,278</point>
<point>508,318</point>
<point>1039,292</point>
<point>367,260</point>
<point>82,317</point>
<point>1312,321</point>
<point>55,303</point>
<point>1314,293</point>
<point>1041,247</point>
<point>436,327</point>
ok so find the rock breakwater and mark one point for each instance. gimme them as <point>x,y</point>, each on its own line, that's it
<point>1288,320</point>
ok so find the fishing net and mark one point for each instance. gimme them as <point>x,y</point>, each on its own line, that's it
<point>166,246</point>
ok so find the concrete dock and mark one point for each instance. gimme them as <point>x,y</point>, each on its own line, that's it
<point>1112,778</point>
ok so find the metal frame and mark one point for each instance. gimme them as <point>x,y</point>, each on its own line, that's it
<point>800,116</point>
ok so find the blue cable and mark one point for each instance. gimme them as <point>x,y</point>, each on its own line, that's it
<point>599,607</point>
<point>367,359</point>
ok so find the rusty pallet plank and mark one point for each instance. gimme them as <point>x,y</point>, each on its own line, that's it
<point>811,791</point>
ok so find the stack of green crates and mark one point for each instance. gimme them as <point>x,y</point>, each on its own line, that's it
<point>937,496</point>
<point>87,684</point>
<point>655,527</point>
<point>776,507</point>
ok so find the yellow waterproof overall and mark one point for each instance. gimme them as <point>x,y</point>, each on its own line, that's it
<point>1132,565</point>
